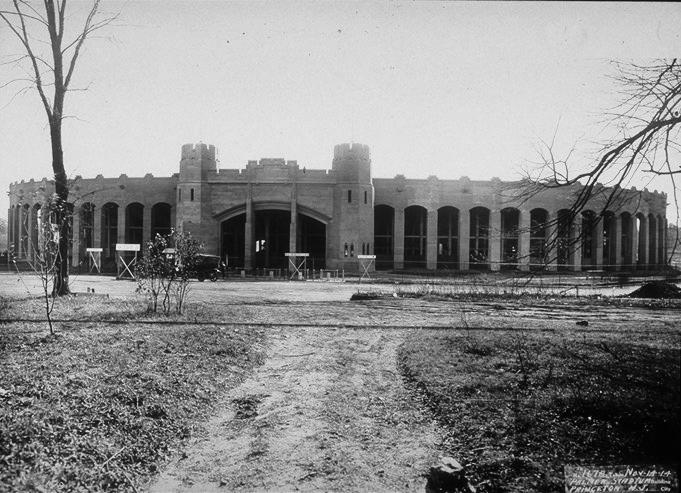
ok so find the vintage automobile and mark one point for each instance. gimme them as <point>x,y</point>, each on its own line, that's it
<point>208,267</point>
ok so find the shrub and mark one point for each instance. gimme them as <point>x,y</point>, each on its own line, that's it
<point>166,268</point>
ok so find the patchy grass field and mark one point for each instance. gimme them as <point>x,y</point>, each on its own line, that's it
<point>101,406</point>
<point>517,387</point>
<point>516,406</point>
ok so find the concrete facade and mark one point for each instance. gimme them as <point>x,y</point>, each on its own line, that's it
<point>252,216</point>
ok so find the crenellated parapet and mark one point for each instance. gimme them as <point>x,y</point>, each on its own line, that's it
<point>198,162</point>
<point>198,151</point>
<point>352,163</point>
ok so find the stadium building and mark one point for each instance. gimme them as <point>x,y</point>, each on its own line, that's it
<point>253,216</point>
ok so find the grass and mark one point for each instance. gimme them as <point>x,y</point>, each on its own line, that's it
<point>100,407</point>
<point>517,406</point>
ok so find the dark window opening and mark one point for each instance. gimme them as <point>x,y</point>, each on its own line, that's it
<point>109,235</point>
<point>510,238</point>
<point>415,233</point>
<point>384,217</point>
<point>479,238</point>
<point>447,237</point>
<point>349,196</point>
<point>134,223</point>
<point>589,225</point>
<point>191,195</point>
<point>160,219</point>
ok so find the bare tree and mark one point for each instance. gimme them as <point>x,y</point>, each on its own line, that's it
<point>52,62</point>
<point>45,261</point>
<point>644,140</point>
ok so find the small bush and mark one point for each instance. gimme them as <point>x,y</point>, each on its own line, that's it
<point>165,269</point>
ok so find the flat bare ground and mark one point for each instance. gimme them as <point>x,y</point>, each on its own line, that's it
<point>346,397</point>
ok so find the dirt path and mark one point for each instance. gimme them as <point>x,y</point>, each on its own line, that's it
<point>327,411</point>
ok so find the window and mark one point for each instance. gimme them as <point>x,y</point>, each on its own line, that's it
<point>352,249</point>
<point>179,195</point>
<point>345,250</point>
<point>365,196</point>
<point>349,196</point>
<point>191,195</point>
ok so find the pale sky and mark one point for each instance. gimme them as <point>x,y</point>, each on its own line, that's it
<point>447,89</point>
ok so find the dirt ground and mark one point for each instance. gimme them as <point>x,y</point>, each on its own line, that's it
<point>327,411</point>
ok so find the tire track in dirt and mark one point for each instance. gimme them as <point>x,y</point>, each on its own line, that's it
<point>326,411</point>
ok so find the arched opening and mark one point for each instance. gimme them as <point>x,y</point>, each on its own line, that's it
<point>563,243</point>
<point>312,239</point>
<point>232,232</point>
<point>25,232</point>
<point>448,238</point>
<point>384,220</point>
<point>661,241</point>
<point>35,229</point>
<point>510,219</point>
<point>272,228</point>
<point>87,226</point>
<point>160,219</point>
<point>652,240</point>
<point>625,241</point>
<point>415,231</point>
<point>16,220</point>
<point>134,223</point>
<point>10,228</point>
<point>479,238</point>
<point>109,235</point>
<point>641,228</point>
<point>538,238</point>
<point>589,223</point>
<point>609,242</point>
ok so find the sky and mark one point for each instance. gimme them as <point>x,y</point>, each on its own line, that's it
<point>447,89</point>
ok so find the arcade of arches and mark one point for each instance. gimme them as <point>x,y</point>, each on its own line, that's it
<point>458,239</point>
<point>478,238</point>
<point>511,238</point>
<point>104,225</point>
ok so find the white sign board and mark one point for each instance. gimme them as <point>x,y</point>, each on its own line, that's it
<point>94,250</point>
<point>296,254</point>
<point>366,256</point>
<point>127,247</point>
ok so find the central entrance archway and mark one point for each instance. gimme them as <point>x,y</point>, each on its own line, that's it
<point>272,239</point>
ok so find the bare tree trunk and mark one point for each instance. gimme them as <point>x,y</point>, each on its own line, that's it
<point>61,282</point>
